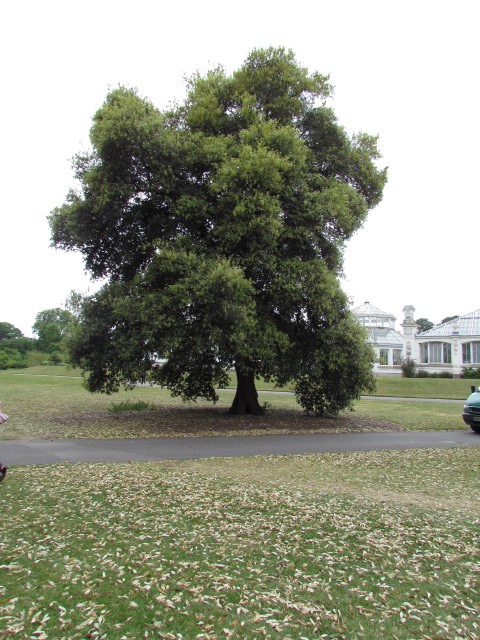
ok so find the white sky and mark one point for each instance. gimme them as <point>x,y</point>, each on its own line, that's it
<point>407,71</point>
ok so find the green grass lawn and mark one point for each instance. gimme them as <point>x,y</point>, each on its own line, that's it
<point>364,545</point>
<point>386,385</point>
<point>424,387</point>
<point>397,386</point>
<point>359,545</point>
<point>51,402</point>
<point>413,416</point>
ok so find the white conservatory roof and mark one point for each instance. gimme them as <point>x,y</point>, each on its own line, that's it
<point>385,337</point>
<point>367,309</point>
<point>468,325</point>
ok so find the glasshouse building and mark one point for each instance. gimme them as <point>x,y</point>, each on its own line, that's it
<point>450,346</point>
<point>388,342</point>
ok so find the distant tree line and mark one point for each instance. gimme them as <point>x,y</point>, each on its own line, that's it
<point>49,346</point>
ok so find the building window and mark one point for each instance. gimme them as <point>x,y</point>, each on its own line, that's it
<point>397,356</point>
<point>435,353</point>
<point>424,352</point>
<point>476,352</point>
<point>383,356</point>
<point>447,353</point>
<point>471,352</point>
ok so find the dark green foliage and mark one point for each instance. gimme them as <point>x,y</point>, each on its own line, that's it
<point>220,227</point>
<point>12,359</point>
<point>52,327</point>
<point>423,324</point>
<point>337,370</point>
<point>448,319</point>
<point>56,358</point>
<point>471,372</point>
<point>421,373</point>
<point>8,331</point>
<point>408,368</point>
<point>14,347</point>
<point>36,358</point>
<point>22,344</point>
<point>131,405</point>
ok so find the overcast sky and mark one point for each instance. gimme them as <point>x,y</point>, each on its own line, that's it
<point>407,71</point>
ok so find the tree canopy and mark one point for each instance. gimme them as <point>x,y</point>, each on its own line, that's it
<point>424,324</point>
<point>448,319</point>
<point>14,347</point>
<point>51,327</point>
<point>9,331</point>
<point>220,226</point>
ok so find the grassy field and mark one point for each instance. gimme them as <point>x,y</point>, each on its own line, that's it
<point>396,386</point>
<point>457,389</point>
<point>386,385</point>
<point>337,546</point>
<point>50,402</point>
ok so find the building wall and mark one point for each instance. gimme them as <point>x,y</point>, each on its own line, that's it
<point>453,351</point>
<point>388,360</point>
<point>443,348</point>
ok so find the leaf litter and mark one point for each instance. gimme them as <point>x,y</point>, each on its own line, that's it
<point>183,550</point>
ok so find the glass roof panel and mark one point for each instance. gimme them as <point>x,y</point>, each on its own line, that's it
<point>468,325</point>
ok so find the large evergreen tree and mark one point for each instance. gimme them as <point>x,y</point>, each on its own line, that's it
<point>220,227</point>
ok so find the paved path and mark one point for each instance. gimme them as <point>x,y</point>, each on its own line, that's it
<point>30,452</point>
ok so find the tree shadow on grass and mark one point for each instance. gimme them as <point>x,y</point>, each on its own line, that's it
<point>206,421</point>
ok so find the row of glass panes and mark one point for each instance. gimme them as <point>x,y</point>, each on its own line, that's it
<point>471,352</point>
<point>376,322</point>
<point>441,353</point>
<point>435,353</point>
<point>384,356</point>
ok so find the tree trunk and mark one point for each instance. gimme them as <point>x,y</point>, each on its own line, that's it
<point>246,398</point>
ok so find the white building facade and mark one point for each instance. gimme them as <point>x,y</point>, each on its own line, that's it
<point>451,346</point>
<point>448,347</point>
<point>387,342</point>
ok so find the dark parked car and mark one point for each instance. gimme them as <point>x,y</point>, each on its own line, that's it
<point>471,410</point>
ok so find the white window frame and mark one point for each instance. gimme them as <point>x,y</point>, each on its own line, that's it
<point>424,352</point>
<point>397,357</point>
<point>435,352</point>
<point>384,357</point>
<point>471,352</point>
